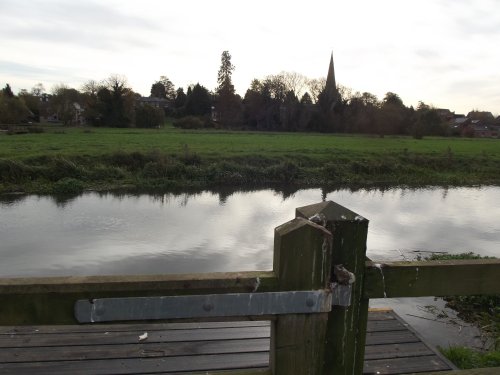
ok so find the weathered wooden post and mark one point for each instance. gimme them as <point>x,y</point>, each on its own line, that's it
<point>345,337</point>
<point>302,261</point>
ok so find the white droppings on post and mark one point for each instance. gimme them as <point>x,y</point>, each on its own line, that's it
<point>92,311</point>
<point>359,218</point>
<point>256,285</point>
<point>379,266</point>
<point>143,337</point>
<point>324,249</point>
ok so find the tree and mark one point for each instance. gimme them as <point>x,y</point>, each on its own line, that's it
<point>110,102</point>
<point>147,116</point>
<point>12,109</point>
<point>32,102</point>
<point>393,116</point>
<point>315,86</point>
<point>180,98</point>
<point>92,106</point>
<point>65,102</point>
<point>228,104</point>
<point>163,88</point>
<point>198,102</point>
<point>120,101</point>
<point>7,91</point>
<point>38,90</point>
<point>427,122</point>
<point>306,99</point>
<point>226,69</point>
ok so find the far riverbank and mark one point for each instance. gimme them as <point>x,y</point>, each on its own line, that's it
<point>69,160</point>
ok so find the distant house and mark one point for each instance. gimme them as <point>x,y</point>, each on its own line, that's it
<point>445,114</point>
<point>78,118</point>
<point>484,116</point>
<point>458,124</point>
<point>155,102</point>
<point>479,129</point>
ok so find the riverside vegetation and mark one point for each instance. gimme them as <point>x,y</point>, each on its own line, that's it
<point>57,159</point>
<point>483,312</point>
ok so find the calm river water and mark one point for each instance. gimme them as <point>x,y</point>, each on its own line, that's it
<point>100,234</point>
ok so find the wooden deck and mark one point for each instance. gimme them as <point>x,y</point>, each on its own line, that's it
<point>178,348</point>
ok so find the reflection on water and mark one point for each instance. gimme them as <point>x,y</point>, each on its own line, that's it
<point>98,233</point>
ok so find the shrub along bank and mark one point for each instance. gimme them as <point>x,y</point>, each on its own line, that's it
<point>69,159</point>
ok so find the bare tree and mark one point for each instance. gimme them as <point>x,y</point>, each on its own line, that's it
<point>295,82</point>
<point>315,86</point>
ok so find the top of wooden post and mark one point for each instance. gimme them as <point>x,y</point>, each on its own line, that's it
<point>332,212</point>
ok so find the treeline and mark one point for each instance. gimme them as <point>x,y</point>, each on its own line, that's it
<point>281,102</point>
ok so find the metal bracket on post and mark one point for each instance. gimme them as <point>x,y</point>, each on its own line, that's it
<point>342,286</point>
<point>341,294</point>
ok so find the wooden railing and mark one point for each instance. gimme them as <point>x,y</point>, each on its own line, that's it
<point>306,249</point>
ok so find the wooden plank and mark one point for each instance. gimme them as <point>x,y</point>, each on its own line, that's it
<point>302,261</point>
<point>386,315</point>
<point>404,365</point>
<point>177,283</point>
<point>345,337</point>
<point>391,337</point>
<point>385,325</point>
<point>136,350</point>
<point>432,278</point>
<point>85,328</point>
<point>50,300</point>
<point>263,371</point>
<point>107,338</point>
<point>141,366</point>
<point>408,349</point>
<point>475,371</point>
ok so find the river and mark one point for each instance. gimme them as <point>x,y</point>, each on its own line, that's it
<point>101,234</point>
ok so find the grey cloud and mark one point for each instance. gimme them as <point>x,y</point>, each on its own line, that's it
<point>86,24</point>
<point>24,70</point>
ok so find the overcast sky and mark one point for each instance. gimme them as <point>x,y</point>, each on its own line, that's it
<point>443,52</point>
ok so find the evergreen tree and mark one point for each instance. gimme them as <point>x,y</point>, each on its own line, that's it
<point>198,102</point>
<point>7,91</point>
<point>228,104</point>
<point>164,88</point>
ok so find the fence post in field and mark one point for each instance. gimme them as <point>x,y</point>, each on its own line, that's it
<point>302,261</point>
<point>345,337</point>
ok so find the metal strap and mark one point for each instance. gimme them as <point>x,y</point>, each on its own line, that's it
<point>202,306</point>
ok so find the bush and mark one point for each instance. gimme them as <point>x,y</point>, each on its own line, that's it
<point>35,129</point>
<point>61,168</point>
<point>147,116</point>
<point>163,169</point>
<point>466,358</point>
<point>286,172</point>
<point>192,122</point>
<point>14,171</point>
<point>68,186</point>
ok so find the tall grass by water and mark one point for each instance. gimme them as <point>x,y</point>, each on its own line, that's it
<point>108,157</point>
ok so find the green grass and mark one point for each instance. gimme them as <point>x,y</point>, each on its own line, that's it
<point>108,157</point>
<point>482,311</point>
<point>466,358</point>
<point>214,143</point>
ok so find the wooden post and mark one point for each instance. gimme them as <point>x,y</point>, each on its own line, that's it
<point>345,337</point>
<point>302,261</point>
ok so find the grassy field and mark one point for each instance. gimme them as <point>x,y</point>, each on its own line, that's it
<point>109,157</point>
<point>98,141</point>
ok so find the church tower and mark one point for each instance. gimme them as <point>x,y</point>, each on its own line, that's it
<point>332,94</point>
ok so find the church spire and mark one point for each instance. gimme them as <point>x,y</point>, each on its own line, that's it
<point>330,78</point>
<point>331,87</point>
